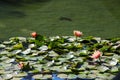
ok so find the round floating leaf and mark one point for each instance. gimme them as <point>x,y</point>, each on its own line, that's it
<point>8,76</point>
<point>16,78</point>
<point>116,56</point>
<point>53,54</point>
<point>4,52</point>
<point>2,72</point>
<point>7,42</point>
<point>18,46</point>
<point>69,56</point>
<point>91,76</point>
<point>43,48</point>
<point>72,76</point>
<point>2,46</point>
<point>113,62</point>
<point>27,51</point>
<point>47,76</point>
<point>114,70</point>
<point>16,51</point>
<point>10,60</point>
<point>63,76</point>
<point>92,67</point>
<point>104,76</point>
<point>20,75</point>
<point>83,53</point>
<point>38,76</point>
<point>109,54</point>
<point>82,76</point>
<point>31,46</point>
<point>103,68</point>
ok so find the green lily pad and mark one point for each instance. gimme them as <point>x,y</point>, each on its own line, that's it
<point>10,60</point>
<point>38,76</point>
<point>2,46</point>
<point>72,76</point>
<point>113,62</point>
<point>43,48</point>
<point>103,68</point>
<point>83,53</point>
<point>16,78</point>
<point>53,54</point>
<point>47,76</point>
<point>4,52</point>
<point>2,72</point>
<point>7,42</point>
<point>8,76</point>
<point>109,54</point>
<point>18,46</point>
<point>82,75</point>
<point>62,75</point>
<point>19,75</point>
<point>114,70</point>
<point>27,51</point>
<point>104,76</point>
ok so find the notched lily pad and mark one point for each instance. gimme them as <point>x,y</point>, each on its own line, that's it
<point>7,42</point>
<point>8,76</point>
<point>103,68</point>
<point>27,51</point>
<point>114,70</point>
<point>38,76</point>
<point>2,46</point>
<point>63,76</point>
<point>18,46</point>
<point>72,76</point>
<point>109,54</point>
<point>20,75</point>
<point>83,53</point>
<point>43,48</point>
<point>53,54</point>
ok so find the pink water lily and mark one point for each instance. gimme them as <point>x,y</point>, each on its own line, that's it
<point>96,54</point>
<point>21,65</point>
<point>77,33</point>
<point>34,34</point>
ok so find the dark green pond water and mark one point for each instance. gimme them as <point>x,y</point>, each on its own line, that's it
<point>60,17</point>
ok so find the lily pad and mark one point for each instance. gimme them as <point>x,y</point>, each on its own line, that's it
<point>20,75</point>
<point>18,46</point>
<point>27,51</point>
<point>63,76</point>
<point>38,76</point>
<point>103,68</point>
<point>114,70</point>
<point>72,76</point>
<point>53,54</point>
<point>109,54</point>
<point>83,53</point>
<point>8,76</point>
<point>43,48</point>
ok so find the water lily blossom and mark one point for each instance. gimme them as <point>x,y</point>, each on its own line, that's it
<point>21,65</point>
<point>77,33</point>
<point>34,34</point>
<point>96,54</point>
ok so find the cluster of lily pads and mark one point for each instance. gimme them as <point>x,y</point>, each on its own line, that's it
<point>67,56</point>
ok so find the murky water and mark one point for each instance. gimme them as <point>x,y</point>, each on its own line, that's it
<point>92,17</point>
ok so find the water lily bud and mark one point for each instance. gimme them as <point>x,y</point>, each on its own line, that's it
<point>77,33</point>
<point>96,54</point>
<point>34,34</point>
